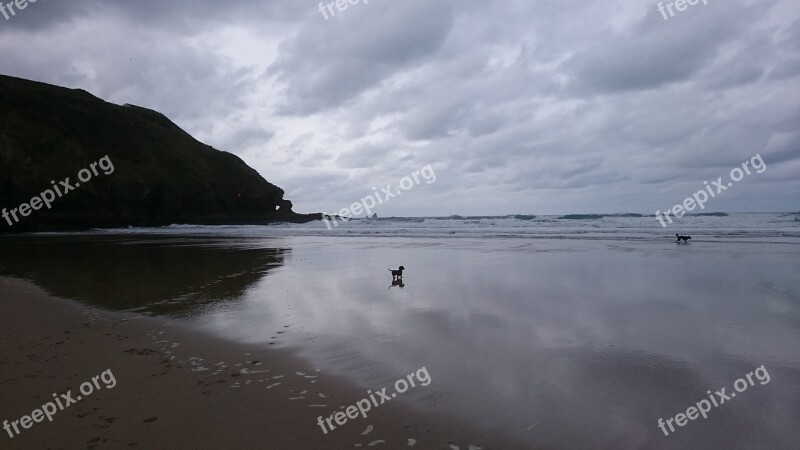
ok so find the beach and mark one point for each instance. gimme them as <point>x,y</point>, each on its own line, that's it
<point>528,342</point>
<point>162,398</point>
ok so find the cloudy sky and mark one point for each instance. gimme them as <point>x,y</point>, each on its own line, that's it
<point>520,106</point>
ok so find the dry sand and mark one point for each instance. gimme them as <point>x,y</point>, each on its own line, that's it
<point>177,388</point>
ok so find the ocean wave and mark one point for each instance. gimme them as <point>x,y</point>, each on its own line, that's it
<point>711,214</point>
<point>734,227</point>
<point>582,216</point>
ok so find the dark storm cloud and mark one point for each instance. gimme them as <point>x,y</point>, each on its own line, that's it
<point>176,15</point>
<point>329,63</point>
<point>652,54</point>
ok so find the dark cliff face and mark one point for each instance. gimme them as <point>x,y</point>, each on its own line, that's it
<point>161,175</point>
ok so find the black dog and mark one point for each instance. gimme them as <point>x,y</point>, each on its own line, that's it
<point>397,274</point>
<point>685,239</point>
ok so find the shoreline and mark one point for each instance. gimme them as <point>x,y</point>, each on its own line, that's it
<point>180,388</point>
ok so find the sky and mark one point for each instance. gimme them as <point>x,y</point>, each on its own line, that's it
<point>518,106</point>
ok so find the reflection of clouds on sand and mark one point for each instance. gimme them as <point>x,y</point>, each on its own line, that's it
<point>562,343</point>
<point>592,344</point>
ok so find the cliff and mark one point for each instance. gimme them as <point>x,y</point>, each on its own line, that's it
<point>160,176</point>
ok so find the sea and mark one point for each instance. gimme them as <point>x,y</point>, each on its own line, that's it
<point>711,227</point>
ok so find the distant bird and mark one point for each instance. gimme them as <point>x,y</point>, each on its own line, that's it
<point>397,274</point>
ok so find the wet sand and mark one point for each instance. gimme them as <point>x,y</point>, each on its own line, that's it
<point>178,388</point>
<point>556,343</point>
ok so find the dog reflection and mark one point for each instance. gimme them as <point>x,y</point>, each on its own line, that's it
<point>397,282</point>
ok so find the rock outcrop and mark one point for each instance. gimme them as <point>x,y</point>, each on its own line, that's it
<point>161,175</point>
